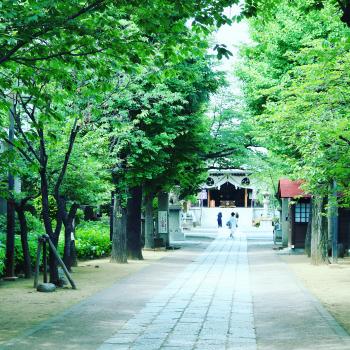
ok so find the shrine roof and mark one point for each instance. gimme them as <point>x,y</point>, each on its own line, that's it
<point>291,189</point>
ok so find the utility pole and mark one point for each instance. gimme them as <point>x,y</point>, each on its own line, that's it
<point>10,238</point>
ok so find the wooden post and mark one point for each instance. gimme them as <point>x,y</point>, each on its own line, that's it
<point>42,241</point>
<point>245,198</point>
<point>45,260</point>
<point>37,264</point>
<point>291,223</point>
<point>208,198</point>
<point>61,263</point>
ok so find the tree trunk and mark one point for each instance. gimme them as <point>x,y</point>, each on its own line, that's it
<point>68,231</point>
<point>308,234</point>
<point>11,220</point>
<point>68,228</point>
<point>318,232</point>
<point>149,225</point>
<point>133,223</point>
<point>54,278</point>
<point>10,239</point>
<point>73,250</point>
<point>119,251</point>
<point>24,240</point>
<point>333,222</point>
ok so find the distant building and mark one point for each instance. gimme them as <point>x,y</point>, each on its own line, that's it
<point>228,189</point>
<point>295,212</point>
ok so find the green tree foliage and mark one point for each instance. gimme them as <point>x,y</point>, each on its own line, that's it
<point>295,78</point>
<point>167,138</point>
<point>61,62</point>
<point>231,139</point>
<point>295,85</point>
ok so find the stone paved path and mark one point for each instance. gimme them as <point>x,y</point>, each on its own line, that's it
<point>208,306</point>
<point>286,315</point>
<point>205,296</point>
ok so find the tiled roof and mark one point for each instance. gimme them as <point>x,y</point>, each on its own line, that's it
<point>290,189</point>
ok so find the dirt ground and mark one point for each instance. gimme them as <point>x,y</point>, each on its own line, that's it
<point>22,307</point>
<point>329,283</point>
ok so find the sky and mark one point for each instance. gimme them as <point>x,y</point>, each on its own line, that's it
<point>232,36</point>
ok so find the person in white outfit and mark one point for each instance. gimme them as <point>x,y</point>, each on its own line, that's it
<point>232,224</point>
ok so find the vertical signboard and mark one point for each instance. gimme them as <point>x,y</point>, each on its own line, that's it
<point>204,195</point>
<point>162,221</point>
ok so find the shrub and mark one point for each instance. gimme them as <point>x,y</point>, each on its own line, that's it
<point>34,224</point>
<point>2,223</point>
<point>19,259</point>
<point>92,240</point>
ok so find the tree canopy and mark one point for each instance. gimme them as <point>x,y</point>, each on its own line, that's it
<point>295,81</point>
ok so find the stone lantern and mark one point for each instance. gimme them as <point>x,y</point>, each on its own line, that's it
<point>266,220</point>
<point>175,207</point>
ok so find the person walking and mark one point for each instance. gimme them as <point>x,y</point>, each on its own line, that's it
<point>220,219</point>
<point>232,224</point>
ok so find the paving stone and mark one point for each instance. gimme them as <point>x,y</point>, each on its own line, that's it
<point>242,346</point>
<point>145,347</point>
<point>208,306</point>
<point>155,335</point>
<point>121,339</point>
<point>238,332</point>
<point>180,343</point>
<point>106,346</point>
<point>180,347</point>
<point>191,320</point>
<point>210,344</point>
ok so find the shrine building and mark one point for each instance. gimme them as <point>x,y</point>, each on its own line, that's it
<point>228,189</point>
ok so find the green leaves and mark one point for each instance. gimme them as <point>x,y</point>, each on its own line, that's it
<point>222,51</point>
<point>296,87</point>
<point>167,131</point>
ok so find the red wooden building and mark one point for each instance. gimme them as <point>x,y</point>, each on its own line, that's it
<point>295,217</point>
<point>295,212</point>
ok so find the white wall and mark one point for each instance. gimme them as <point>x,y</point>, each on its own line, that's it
<point>208,216</point>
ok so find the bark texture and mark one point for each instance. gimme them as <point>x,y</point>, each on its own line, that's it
<point>308,234</point>
<point>68,220</point>
<point>10,239</point>
<point>133,224</point>
<point>24,241</point>
<point>119,251</point>
<point>319,235</point>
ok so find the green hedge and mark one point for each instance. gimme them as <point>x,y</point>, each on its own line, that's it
<point>19,259</point>
<point>92,240</point>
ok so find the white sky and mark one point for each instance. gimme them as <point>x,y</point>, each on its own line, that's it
<point>232,36</point>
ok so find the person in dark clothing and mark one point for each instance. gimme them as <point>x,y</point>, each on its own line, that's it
<point>220,219</point>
